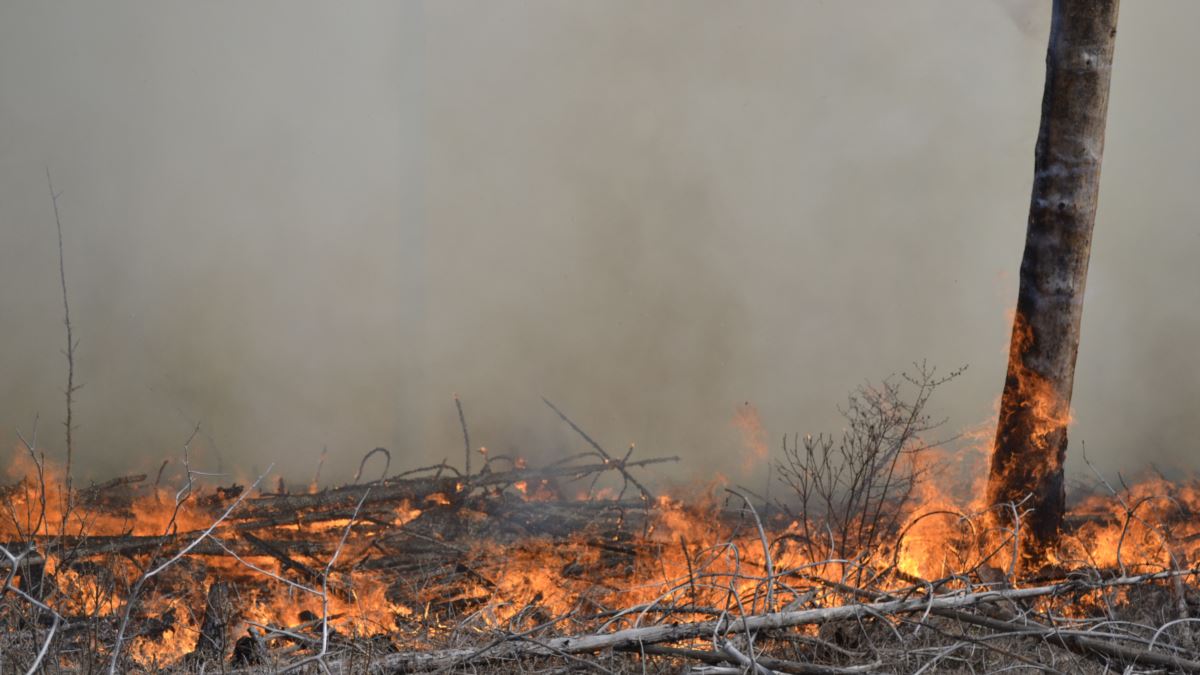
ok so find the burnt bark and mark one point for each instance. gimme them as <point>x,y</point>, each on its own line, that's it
<point>219,616</point>
<point>1031,437</point>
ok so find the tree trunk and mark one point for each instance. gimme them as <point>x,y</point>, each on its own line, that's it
<point>1031,437</point>
<point>219,616</point>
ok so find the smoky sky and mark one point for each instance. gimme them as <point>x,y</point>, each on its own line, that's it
<point>305,226</point>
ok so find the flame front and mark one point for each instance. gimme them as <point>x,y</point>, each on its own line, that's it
<point>512,558</point>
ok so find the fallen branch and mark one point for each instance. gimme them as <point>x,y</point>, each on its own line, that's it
<point>624,640</point>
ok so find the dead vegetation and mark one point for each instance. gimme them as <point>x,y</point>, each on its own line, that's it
<point>577,565</point>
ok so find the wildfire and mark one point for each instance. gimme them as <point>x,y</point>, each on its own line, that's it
<point>1026,475</point>
<point>511,555</point>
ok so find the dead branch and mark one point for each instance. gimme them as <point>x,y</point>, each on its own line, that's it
<point>418,490</point>
<point>69,353</point>
<point>631,638</point>
<point>777,665</point>
<point>619,465</point>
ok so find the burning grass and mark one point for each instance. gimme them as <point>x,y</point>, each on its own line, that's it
<point>864,567</point>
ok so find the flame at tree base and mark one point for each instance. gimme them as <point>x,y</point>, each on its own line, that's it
<point>1025,483</point>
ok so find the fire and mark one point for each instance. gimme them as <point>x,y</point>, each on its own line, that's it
<point>424,568</point>
<point>754,436</point>
<point>1049,412</point>
<point>1026,477</point>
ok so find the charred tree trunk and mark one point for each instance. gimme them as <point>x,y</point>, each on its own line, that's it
<point>219,616</point>
<point>1031,437</point>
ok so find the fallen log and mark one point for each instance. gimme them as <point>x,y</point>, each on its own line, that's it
<point>103,493</point>
<point>130,545</point>
<point>508,520</point>
<point>285,560</point>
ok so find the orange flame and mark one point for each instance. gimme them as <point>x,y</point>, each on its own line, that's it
<point>690,536</point>
<point>754,436</point>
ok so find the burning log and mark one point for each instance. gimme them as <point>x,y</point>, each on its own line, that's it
<point>286,561</point>
<point>106,494</point>
<point>1031,437</point>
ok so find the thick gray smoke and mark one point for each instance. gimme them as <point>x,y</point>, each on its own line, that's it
<point>307,226</point>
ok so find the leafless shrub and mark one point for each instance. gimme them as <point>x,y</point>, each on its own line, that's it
<point>851,493</point>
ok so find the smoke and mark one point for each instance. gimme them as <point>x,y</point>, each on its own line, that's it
<point>304,226</point>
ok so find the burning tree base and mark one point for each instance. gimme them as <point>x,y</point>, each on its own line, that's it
<point>501,571</point>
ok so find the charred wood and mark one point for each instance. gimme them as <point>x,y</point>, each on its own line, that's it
<point>220,613</point>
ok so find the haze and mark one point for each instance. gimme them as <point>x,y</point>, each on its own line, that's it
<point>307,225</point>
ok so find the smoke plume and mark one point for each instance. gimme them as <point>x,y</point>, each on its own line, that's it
<point>308,226</point>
